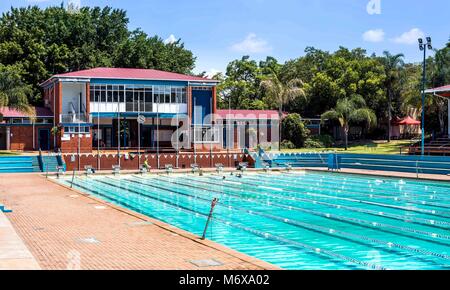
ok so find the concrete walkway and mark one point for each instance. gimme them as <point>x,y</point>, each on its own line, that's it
<point>14,255</point>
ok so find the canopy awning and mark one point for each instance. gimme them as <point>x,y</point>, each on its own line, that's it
<point>440,91</point>
<point>408,121</point>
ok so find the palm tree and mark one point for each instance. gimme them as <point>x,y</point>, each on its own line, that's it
<point>350,110</point>
<point>392,67</point>
<point>282,93</point>
<point>14,93</point>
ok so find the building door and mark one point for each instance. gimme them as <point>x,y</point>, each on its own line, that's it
<point>107,137</point>
<point>44,139</point>
<point>146,137</point>
<point>3,138</point>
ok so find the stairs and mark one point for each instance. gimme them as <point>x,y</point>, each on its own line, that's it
<point>28,164</point>
<point>50,163</point>
<point>17,164</point>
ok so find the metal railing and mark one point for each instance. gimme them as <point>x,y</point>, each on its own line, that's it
<point>74,118</point>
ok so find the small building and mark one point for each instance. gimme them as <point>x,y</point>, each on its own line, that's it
<point>248,128</point>
<point>120,108</point>
<point>25,132</point>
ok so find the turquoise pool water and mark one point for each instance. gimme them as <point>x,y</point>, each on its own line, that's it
<point>299,220</point>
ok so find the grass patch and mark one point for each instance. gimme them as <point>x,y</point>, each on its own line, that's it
<point>363,147</point>
<point>7,153</point>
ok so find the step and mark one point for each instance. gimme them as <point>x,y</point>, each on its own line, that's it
<point>16,170</point>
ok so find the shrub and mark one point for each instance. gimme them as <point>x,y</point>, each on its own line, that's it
<point>322,141</point>
<point>294,130</point>
<point>286,144</point>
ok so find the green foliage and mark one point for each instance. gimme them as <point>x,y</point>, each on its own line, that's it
<point>44,42</point>
<point>351,110</point>
<point>13,92</point>
<point>286,144</point>
<point>294,130</point>
<point>322,141</point>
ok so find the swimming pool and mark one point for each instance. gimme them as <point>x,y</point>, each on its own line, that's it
<point>299,220</point>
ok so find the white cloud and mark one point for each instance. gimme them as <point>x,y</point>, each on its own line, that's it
<point>375,35</point>
<point>171,39</point>
<point>252,44</point>
<point>409,37</point>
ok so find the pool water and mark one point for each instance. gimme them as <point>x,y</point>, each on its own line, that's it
<point>299,220</point>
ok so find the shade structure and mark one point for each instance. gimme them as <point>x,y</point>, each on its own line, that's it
<point>409,121</point>
<point>443,91</point>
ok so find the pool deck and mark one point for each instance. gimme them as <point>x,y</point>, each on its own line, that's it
<point>66,229</point>
<point>14,255</point>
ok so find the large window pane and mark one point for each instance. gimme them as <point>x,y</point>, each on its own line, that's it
<point>115,96</point>
<point>173,95</point>
<point>183,96</point>
<point>167,95</point>
<point>129,99</point>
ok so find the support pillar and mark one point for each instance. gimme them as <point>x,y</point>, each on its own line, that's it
<point>8,138</point>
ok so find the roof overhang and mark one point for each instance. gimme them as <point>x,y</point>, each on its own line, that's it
<point>88,79</point>
<point>443,92</point>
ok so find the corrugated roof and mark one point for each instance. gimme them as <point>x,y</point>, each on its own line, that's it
<point>131,73</point>
<point>13,113</point>
<point>444,91</point>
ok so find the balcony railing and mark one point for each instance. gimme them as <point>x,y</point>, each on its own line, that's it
<point>74,118</point>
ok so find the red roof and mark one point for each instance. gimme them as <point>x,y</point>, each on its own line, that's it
<point>131,73</point>
<point>442,91</point>
<point>13,113</point>
<point>248,114</point>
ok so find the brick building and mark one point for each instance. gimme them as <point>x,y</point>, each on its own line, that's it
<point>25,132</point>
<point>110,108</point>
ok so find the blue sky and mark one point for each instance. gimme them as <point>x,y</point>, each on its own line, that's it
<point>219,31</point>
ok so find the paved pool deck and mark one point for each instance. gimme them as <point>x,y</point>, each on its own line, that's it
<point>14,255</point>
<point>66,229</point>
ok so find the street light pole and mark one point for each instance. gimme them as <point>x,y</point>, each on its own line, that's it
<point>423,47</point>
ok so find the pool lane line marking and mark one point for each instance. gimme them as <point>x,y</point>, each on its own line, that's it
<point>421,221</point>
<point>372,225</point>
<point>413,209</point>
<point>412,181</point>
<point>298,185</point>
<point>255,232</point>
<point>311,227</point>
<point>329,180</point>
<point>431,195</point>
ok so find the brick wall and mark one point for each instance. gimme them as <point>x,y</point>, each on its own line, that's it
<point>71,145</point>
<point>22,137</point>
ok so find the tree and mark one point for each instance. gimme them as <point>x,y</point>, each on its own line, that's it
<point>44,42</point>
<point>392,66</point>
<point>282,93</point>
<point>350,110</point>
<point>294,130</point>
<point>13,92</point>
<point>241,84</point>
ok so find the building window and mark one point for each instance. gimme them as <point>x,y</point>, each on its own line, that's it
<point>138,98</point>
<point>76,130</point>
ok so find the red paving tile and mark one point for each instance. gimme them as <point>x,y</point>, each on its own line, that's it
<point>62,231</point>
